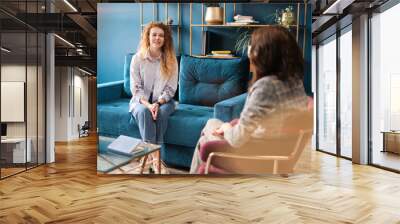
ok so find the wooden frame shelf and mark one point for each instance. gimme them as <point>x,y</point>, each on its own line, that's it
<point>170,25</point>
<point>237,26</point>
<point>297,27</point>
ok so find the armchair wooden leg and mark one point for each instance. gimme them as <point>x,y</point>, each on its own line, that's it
<point>285,175</point>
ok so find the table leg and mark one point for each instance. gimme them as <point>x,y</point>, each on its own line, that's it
<point>143,164</point>
<point>156,161</point>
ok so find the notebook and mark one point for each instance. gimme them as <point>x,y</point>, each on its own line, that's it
<point>125,145</point>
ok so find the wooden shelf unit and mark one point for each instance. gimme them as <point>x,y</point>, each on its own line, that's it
<point>247,25</point>
<point>225,25</point>
<point>170,25</point>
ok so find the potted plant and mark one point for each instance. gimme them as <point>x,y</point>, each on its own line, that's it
<point>288,17</point>
<point>214,14</point>
<point>243,41</point>
<point>285,17</point>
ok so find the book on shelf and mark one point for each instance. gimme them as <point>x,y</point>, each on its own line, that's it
<point>125,145</point>
<point>221,52</point>
<point>241,17</point>
<point>238,23</point>
<point>220,56</point>
<point>242,20</point>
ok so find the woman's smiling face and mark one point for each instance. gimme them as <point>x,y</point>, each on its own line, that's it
<point>156,38</point>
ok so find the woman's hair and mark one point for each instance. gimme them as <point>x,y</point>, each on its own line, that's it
<point>274,51</point>
<point>168,58</point>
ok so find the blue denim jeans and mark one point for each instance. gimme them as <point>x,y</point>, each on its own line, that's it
<point>153,131</point>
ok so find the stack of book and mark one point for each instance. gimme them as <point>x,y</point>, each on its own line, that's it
<point>221,54</point>
<point>126,146</point>
<point>242,20</point>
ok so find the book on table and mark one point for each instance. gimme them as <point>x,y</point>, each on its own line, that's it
<point>125,145</point>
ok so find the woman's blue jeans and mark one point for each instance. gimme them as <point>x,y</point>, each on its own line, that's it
<point>153,131</point>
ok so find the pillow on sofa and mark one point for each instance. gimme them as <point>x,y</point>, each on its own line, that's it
<point>127,65</point>
<point>207,81</point>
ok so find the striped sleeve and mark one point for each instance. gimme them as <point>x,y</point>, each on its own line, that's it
<point>136,80</point>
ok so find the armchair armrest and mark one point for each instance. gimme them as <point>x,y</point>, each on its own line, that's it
<point>230,109</point>
<point>257,163</point>
<point>274,159</point>
<point>110,91</point>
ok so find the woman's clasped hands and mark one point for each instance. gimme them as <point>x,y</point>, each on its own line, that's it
<point>154,107</point>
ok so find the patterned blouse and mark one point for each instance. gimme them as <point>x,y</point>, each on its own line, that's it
<point>145,78</point>
<point>268,103</point>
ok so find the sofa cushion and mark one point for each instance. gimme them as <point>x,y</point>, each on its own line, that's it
<point>186,123</point>
<point>114,119</point>
<point>127,66</point>
<point>206,81</point>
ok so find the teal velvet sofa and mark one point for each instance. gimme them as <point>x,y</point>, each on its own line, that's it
<point>208,88</point>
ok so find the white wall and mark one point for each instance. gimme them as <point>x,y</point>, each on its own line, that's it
<point>61,103</point>
<point>81,83</point>
<point>33,127</point>
<point>14,73</point>
<point>71,102</point>
<point>17,73</point>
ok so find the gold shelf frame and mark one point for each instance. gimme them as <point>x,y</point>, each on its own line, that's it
<point>224,25</point>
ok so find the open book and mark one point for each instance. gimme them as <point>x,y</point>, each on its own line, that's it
<point>125,145</point>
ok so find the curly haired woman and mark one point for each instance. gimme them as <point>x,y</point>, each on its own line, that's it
<point>153,82</point>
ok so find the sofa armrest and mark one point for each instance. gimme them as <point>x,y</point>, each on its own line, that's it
<point>110,91</point>
<point>230,109</point>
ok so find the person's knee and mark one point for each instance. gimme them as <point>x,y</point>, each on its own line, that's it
<point>213,122</point>
<point>213,146</point>
<point>165,112</point>
<point>162,115</point>
<point>141,111</point>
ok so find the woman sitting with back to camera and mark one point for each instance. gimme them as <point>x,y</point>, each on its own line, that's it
<point>275,89</point>
<point>153,82</point>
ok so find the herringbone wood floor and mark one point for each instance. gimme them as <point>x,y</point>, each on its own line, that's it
<point>70,191</point>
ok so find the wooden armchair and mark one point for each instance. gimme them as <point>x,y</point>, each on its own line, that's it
<point>275,155</point>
